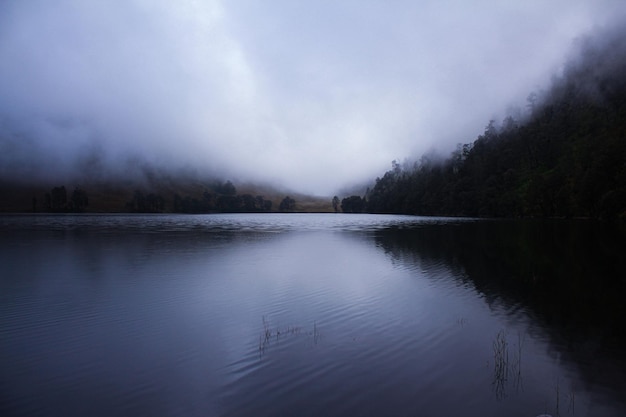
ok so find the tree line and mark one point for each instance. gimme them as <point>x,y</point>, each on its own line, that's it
<point>566,158</point>
<point>220,197</point>
<point>58,201</point>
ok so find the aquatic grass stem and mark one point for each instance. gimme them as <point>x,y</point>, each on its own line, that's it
<point>268,333</point>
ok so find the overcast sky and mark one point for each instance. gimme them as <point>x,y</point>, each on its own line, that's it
<point>313,95</point>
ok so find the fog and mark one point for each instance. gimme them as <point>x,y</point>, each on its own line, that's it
<point>312,96</point>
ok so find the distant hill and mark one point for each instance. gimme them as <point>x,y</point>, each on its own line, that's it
<point>565,158</point>
<point>158,192</point>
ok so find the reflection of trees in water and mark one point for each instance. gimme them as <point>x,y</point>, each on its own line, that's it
<point>569,275</point>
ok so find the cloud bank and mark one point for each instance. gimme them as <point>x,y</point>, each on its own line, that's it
<point>309,95</point>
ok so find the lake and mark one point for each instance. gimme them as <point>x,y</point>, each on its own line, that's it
<point>310,315</point>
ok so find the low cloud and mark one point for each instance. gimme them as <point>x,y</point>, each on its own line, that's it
<point>312,96</point>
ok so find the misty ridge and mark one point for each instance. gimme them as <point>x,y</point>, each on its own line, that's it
<point>563,155</point>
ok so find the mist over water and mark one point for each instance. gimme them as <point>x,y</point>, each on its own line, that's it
<point>312,97</point>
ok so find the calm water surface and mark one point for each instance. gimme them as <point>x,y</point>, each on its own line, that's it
<point>333,315</point>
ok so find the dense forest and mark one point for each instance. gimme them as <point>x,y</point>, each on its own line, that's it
<point>565,156</point>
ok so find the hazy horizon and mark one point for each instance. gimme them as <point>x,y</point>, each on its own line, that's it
<point>314,96</point>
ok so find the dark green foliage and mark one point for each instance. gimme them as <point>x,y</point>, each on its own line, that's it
<point>151,203</point>
<point>335,203</point>
<point>567,159</point>
<point>222,197</point>
<point>221,203</point>
<point>353,204</point>
<point>226,188</point>
<point>187,204</point>
<point>56,201</point>
<point>265,204</point>
<point>79,200</point>
<point>287,204</point>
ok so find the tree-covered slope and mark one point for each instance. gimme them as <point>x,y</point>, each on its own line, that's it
<point>566,158</point>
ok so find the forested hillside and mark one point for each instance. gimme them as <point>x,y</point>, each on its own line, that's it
<point>566,157</point>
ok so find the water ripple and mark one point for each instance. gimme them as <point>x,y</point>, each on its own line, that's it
<point>214,223</point>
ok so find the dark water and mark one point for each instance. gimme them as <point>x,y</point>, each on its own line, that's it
<point>333,315</point>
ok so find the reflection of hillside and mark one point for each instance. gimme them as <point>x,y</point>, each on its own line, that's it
<point>568,275</point>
